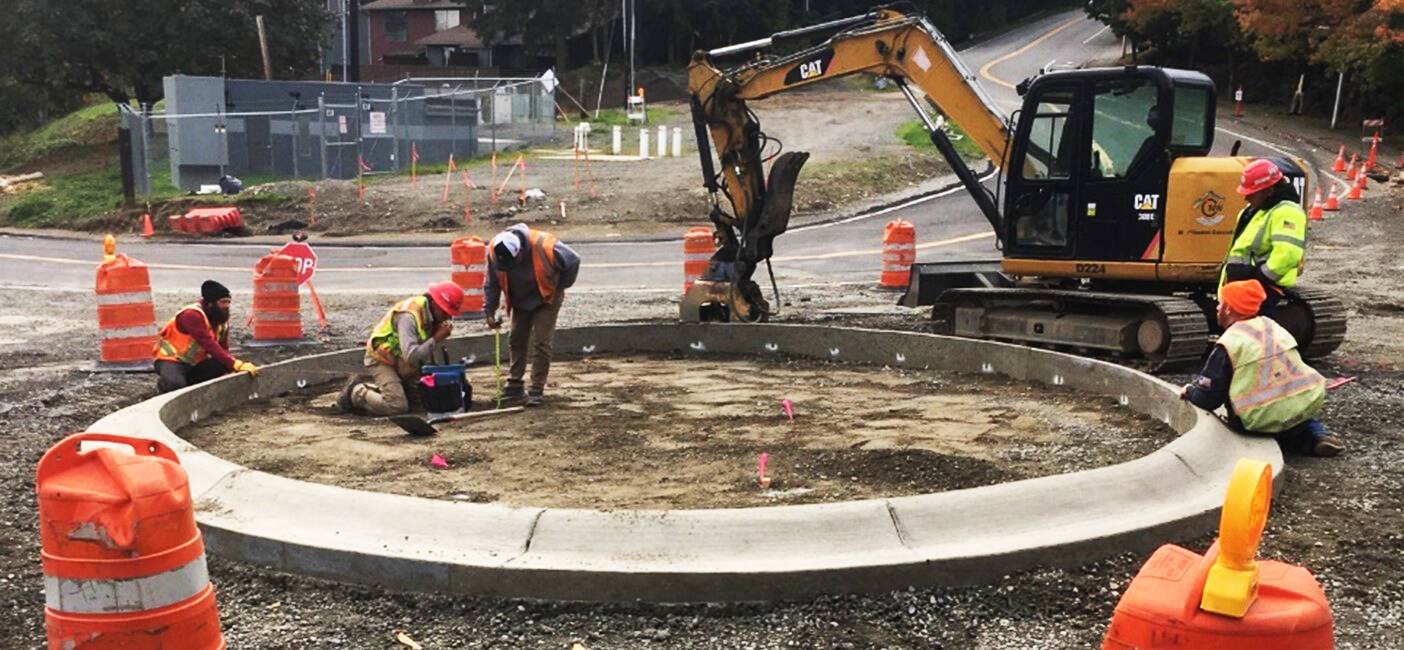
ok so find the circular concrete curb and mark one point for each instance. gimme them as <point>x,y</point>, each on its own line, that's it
<point>958,537</point>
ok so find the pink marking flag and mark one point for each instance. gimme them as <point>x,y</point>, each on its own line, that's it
<point>761,476</point>
<point>438,461</point>
<point>788,408</point>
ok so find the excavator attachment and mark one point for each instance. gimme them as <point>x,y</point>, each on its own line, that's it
<point>725,292</point>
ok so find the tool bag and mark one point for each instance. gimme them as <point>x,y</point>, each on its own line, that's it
<point>445,388</point>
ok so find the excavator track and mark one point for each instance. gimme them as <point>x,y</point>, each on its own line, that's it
<point>1161,330</point>
<point>1316,318</point>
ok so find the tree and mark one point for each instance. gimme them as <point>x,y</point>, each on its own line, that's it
<point>123,49</point>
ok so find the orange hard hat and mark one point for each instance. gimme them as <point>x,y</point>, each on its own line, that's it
<point>1258,176</point>
<point>448,296</point>
<point>1244,297</point>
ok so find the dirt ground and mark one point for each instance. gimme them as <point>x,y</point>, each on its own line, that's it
<point>1338,517</point>
<point>659,432</point>
<point>630,198</point>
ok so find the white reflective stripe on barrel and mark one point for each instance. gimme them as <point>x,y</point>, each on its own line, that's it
<point>276,315</point>
<point>470,268</point>
<point>79,596</point>
<point>276,287</point>
<point>886,248</point>
<point>140,331</point>
<point>129,298</point>
<point>472,292</point>
<point>697,257</point>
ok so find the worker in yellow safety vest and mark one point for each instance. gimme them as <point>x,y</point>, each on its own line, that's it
<point>194,344</point>
<point>404,339</point>
<point>532,269</point>
<point>1269,241</point>
<point>1255,369</point>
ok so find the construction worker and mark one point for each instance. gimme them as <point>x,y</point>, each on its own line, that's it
<point>533,270</point>
<point>404,339</point>
<point>194,344</point>
<point>1270,238</point>
<point>1256,371</point>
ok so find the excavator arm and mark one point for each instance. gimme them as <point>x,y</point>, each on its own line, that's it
<point>905,48</point>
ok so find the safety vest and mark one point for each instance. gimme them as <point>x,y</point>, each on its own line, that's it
<point>175,345</point>
<point>1272,389</point>
<point>543,251</point>
<point>384,342</point>
<point>1274,239</point>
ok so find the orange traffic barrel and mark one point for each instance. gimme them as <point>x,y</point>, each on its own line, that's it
<point>469,257</point>
<point>124,564</point>
<point>1226,598</point>
<point>698,248</point>
<point>126,318</point>
<point>898,253</point>
<point>277,307</point>
<point>1161,608</point>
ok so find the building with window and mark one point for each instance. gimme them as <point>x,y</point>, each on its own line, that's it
<point>433,33</point>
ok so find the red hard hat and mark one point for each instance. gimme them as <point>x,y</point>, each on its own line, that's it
<point>1257,176</point>
<point>448,296</point>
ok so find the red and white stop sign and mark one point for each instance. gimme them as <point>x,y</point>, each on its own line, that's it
<point>306,259</point>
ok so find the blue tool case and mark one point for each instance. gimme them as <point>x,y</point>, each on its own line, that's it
<point>445,388</point>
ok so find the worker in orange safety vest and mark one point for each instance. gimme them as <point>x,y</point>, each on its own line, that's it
<point>194,344</point>
<point>532,269</point>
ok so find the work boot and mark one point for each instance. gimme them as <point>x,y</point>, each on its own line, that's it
<point>1327,445</point>
<point>344,403</point>
<point>535,396</point>
<point>513,393</point>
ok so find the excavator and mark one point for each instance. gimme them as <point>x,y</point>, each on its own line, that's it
<point>1115,217</point>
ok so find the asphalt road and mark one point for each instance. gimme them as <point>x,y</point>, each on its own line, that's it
<point>949,226</point>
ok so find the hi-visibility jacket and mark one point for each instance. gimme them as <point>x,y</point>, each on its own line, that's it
<point>175,345</point>
<point>543,251</point>
<point>384,342</point>
<point>1272,389</point>
<point>1274,241</point>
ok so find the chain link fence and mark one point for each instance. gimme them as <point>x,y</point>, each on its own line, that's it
<point>327,130</point>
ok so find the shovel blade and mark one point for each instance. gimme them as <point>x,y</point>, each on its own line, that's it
<point>414,425</point>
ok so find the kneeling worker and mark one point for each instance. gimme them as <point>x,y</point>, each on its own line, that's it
<point>403,341</point>
<point>1255,369</point>
<point>533,270</point>
<point>194,344</point>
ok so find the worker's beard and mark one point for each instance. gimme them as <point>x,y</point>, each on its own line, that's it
<point>216,315</point>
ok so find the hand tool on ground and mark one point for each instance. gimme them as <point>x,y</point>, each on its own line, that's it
<point>418,426</point>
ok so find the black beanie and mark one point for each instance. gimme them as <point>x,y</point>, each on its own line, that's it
<point>213,291</point>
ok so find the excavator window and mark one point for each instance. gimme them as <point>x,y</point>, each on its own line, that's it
<point>1125,115</point>
<point>1191,128</point>
<point>1049,155</point>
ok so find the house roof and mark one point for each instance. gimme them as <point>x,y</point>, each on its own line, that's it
<point>460,35</point>
<point>401,5</point>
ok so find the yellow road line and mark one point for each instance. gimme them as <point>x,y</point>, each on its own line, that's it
<point>985,69</point>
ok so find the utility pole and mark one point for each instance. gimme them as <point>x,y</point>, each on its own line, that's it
<point>1336,109</point>
<point>345,45</point>
<point>263,48</point>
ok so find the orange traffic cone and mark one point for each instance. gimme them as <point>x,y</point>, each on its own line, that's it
<point>1374,148</point>
<point>1339,165</point>
<point>1354,194</point>
<point>1363,179</point>
<point>146,229</point>
<point>1351,171</point>
<point>1332,203</point>
<point>1315,214</point>
<point>1401,161</point>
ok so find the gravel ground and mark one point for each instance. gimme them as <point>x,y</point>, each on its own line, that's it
<point>1337,517</point>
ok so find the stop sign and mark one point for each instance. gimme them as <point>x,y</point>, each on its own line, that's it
<point>306,259</point>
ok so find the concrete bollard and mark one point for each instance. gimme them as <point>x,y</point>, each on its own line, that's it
<point>677,141</point>
<point>662,141</point>
<point>643,143</point>
<point>617,145</point>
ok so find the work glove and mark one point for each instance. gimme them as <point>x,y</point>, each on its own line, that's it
<point>244,366</point>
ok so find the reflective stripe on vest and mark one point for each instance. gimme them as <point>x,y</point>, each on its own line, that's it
<point>175,345</point>
<point>543,250</point>
<point>1272,389</point>
<point>384,342</point>
<point>89,596</point>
